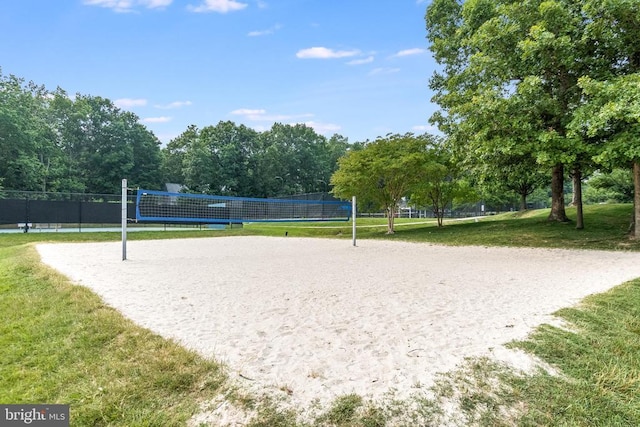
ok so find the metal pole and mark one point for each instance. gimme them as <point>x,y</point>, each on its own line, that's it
<point>353,219</point>
<point>124,219</point>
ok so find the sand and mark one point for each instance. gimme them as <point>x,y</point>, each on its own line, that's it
<point>315,319</point>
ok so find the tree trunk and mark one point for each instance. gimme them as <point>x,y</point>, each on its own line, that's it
<point>437,212</point>
<point>635,234</point>
<point>557,195</point>
<point>577,177</point>
<point>577,198</point>
<point>523,201</point>
<point>391,213</point>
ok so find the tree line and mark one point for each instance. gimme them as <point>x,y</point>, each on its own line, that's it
<point>53,142</point>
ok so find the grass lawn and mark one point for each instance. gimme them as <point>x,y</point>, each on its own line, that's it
<point>60,344</point>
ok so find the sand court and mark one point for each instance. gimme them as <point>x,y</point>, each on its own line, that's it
<point>318,318</point>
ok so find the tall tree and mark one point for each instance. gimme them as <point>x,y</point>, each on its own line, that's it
<point>26,147</point>
<point>612,113</point>
<point>147,159</point>
<point>296,153</point>
<point>509,79</point>
<point>104,144</point>
<point>326,155</point>
<point>231,148</point>
<point>173,155</point>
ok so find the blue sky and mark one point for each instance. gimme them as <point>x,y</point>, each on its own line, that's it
<point>359,68</point>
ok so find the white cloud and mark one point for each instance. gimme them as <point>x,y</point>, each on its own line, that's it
<point>323,128</point>
<point>153,4</point>
<point>129,102</point>
<point>383,71</point>
<point>260,115</point>
<point>367,60</point>
<point>128,5</point>
<point>117,5</point>
<point>163,119</point>
<point>249,113</point>
<point>265,32</point>
<point>325,53</point>
<point>409,52</point>
<point>220,6</point>
<point>173,105</point>
<point>424,128</point>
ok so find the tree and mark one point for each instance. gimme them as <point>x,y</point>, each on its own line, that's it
<point>615,186</point>
<point>298,158</point>
<point>509,79</point>
<point>66,117</point>
<point>147,159</point>
<point>517,174</point>
<point>104,144</point>
<point>382,173</point>
<point>336,147</point>
<point>174,153</point>
<point>235,160</point>
<point>612,114</point>
<point>225,154</point>
<point>27,152</point>
<point>439,182</point>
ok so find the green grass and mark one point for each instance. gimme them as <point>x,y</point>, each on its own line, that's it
<point>606,229</point>
<point>600,360</point>
<point>60,344</point>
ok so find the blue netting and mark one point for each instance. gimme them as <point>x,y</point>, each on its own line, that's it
<point>162,206</point>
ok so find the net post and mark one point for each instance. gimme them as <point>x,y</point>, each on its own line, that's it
<point>353,219</point>
<point>124,219</point>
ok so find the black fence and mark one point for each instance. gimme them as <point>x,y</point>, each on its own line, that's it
<point>18,208</point>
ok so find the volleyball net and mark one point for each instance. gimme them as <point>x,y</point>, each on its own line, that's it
<point>162,206</point>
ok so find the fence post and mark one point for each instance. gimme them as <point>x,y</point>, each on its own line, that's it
<point>26,214</point>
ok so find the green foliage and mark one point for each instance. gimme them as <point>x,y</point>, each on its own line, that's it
<point>440,182</point>
<point>383,172</point>
<point>612,115</point>
<point>27,150</point>
<point>232,159</point>
<point>613,187</point>
<point>509,86</point>
<point>49,142</point>
<point>103,144</point>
